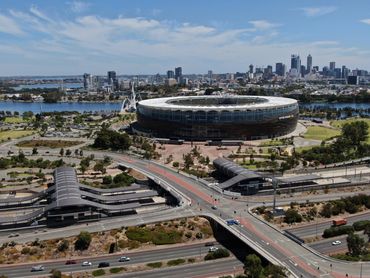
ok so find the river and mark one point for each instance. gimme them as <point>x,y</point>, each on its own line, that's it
<point>37,107</point>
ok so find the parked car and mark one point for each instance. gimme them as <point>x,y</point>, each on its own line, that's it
<point>214,207</point>
<point>212,249</point>
<point>71,262</point>
<point>337,242</point>
<point>103,264</point>
<point>86,263</point>
<point>124,259</point>
<point>37,268</point>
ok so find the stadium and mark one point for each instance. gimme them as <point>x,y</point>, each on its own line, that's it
<point>228,117</point>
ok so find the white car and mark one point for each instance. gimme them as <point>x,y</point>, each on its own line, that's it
<point>124,259</point>
<point>337,242</point>
<point>86,263</point>
<point>212,249</point>
<point>37,268</point>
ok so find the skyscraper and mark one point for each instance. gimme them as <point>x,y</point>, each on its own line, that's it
<point>332,66</point>
<point>309,63</point>
<point>170,74</point>
<point>112,79</point>
<point>250,68</point>
<point>88,81</point>
<point>280,69</point>
<point>178,74</point>
<point>295,64</point>
<point>210,77</point>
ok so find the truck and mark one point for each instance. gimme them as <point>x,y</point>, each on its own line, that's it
<point>339,222</point>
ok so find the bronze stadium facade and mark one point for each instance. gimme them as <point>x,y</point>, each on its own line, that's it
<point>217,117</point>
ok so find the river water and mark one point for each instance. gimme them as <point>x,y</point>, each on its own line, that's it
<point>37,107</point>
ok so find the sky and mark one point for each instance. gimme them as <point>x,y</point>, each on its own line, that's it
<point>56,37</point>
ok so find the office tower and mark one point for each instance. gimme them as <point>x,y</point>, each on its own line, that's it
<point>170,74</point>
<point>353,80</point>
<point>295,65</point>
<point>302,70</point>
<point>250,68</point>
<point>210,77</point>
<point>345,72</point>
<point>332,66</point>
<point>112,79</point>
<point>178,74</point>
<point>309,63</point>
<point>337,73</point>
<point>279,69</point>
<point>88,81</point>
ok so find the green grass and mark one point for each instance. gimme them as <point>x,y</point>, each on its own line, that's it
<point>340,123</point>
<point>48,143</point>
<point>114,270</point>
<point>155,265</point>
<point>301,149</point>
<point>158,235</point>
<point>320,133</point>
<point>13,134</point>
<point>98,272</point>
<point>14,120</point>
<point>175,262</point>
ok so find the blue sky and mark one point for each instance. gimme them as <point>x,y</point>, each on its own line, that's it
<point>50,37</point>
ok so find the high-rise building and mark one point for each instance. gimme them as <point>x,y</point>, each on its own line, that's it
<point>295,64</point>
<point>309,63</point>
<point>210,77</point>
<point>88,81</point>
<point>170,74</point>
<point>280,69</point>
<point>337,73</point>
<point>178,74</point>
<point>332,66</point>
<point>250,68</point>
<point>112,79</point>
<point>345,72</point>
<point>303,70</point>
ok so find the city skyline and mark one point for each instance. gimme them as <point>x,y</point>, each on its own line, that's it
<point>70,37</point>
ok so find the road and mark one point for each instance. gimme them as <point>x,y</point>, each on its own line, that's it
<point>142,257</point>
<point>265,239</point>
<point>314,229</point>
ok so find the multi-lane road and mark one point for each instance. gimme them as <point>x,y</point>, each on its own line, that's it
<point>198,250</point>
<point>300,260</point>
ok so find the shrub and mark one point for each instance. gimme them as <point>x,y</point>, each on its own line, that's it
<point>55,273</point>
<point>292,216</point>
<point>98,272</point>
<point>360,225</point>
<point>220,253</point>
<point>175,262</point>
<point>336,231</point>
<point>25,250</point>
<point>155,265</point>
<point>114,270</point>
<point>188,234</point>
<point>191,260</point>
<point>83,241</point>
<point>63,246</point>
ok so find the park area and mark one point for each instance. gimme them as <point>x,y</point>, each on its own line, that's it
<point>48,143</point>
<point>14,134</point>
<point>321,133</point>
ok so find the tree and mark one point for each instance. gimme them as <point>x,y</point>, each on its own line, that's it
<point>356,244</point>
<point>63,246</point>
<point>107,179</point>
<point>61,152</point>
<point>99,167</point>
<point>292,216</point>
<point>83,241</point>
<point>356,132</point>
<point>68,152</point>
<point>188,160</point>
<point>367,231</point>
<point>253,266</point>
<point>55,273</point>
<point>34,151</point>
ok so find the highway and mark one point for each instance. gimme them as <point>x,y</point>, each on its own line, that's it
<point>313,229</point>
<point>265,239</point>
<point>137,257</point>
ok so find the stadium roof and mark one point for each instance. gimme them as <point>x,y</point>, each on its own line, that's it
<point>171,103</point>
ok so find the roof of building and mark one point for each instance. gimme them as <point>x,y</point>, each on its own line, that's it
<point>174,103</point>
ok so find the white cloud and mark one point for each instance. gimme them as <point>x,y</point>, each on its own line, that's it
<point>263,24</point>
<point>9,26</point>
<point>366,21</point>
<point>318,11</point>
<point>78,6</point>
<point>35,11</point>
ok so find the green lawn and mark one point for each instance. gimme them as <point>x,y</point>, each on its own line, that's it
<point>13,134</point>
<point>301,149</point>
<point>340,123</point>
<point>320,133</point>
<point>14,120</point>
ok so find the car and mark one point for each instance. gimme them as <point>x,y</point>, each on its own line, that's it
<point>124,259</point>
<point>37,268</point>
<point>214,207</point>
<point>337,242</point>
<point>71,262</point>
<point>209,244</point>
<point>86,263</point>
<point>212,249</point>
<point>232,222</point>
<point>103,264</point>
